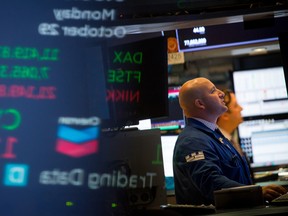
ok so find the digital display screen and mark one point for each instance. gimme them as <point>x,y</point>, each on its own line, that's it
<point>261,92</point>
<point>226,35</point>
<point>175,119</point>
<point>168,142</point>
<point>136,82</point>
<point>265,142</point>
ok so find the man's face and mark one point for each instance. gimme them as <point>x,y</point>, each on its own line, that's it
<point>214,99</point>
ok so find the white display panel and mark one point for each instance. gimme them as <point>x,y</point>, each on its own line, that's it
<point>265,141</point>
<point>261,91</point>
<point>168,143</point>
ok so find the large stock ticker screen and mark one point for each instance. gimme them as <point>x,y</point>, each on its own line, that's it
<point>52,100</point>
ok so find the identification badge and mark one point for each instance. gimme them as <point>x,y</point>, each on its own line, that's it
<point>195,156</point>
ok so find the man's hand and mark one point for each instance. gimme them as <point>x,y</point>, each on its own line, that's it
<point>273,191</point>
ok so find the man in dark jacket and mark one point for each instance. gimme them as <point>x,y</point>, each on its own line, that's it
<point>204,160</point>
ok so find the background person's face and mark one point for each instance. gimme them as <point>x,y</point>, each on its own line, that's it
<point>234,110</point>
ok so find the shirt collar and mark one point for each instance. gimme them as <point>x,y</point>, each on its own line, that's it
<point>210,125</point>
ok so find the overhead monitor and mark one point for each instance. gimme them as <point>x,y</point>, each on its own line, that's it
<point>219,36</point>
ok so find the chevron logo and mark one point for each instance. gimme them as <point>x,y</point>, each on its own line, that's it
<point>77,142</point>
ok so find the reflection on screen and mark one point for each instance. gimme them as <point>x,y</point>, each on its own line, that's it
<point>261,91</point>
<point>265,141</point>
<point>134,91</point>
<point>134,160</point>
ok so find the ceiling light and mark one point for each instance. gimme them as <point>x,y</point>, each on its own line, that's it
<point>258,51</point>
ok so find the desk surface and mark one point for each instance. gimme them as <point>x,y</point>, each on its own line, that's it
<point>257,211</point>
<point>265,210</point>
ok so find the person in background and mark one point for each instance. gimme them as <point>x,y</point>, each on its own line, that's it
<point>230,120</point>
<point>203,159</point>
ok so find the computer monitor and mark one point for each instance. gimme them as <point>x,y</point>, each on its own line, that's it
<point>261,92</point>
<point>136,82</point>
<point>134,159</point>
<point>175,119</point>
<point>168,143</point>
<point>265,142</point>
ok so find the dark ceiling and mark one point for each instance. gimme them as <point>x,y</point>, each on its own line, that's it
<point>141,11</point>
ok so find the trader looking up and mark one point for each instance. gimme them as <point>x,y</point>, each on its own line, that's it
<point>204,160</point>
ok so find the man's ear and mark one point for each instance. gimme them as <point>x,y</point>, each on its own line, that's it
<point>199,103</point>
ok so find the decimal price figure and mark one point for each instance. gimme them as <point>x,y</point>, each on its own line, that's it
<point>8,154</point>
